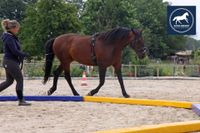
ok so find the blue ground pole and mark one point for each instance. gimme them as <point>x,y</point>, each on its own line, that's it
<point>43,98</point>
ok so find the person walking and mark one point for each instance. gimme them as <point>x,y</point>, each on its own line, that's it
<point>13,57</point>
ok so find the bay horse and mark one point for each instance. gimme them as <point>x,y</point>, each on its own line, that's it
<point>102,50</point>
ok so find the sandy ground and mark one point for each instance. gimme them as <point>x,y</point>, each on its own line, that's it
<point>82,117</point>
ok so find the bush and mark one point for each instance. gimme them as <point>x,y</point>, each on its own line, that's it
<point>76,71</point>
<point>165,71</point>
<point>146,71</point>
<point>33,71</point>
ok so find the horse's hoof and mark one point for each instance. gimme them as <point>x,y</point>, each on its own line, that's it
<point>89,94</point>
<point>126,96</point>
<point>76,94</point>
<point>49,93</point>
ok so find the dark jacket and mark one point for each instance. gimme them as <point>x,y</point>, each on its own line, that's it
<point>12,48</point>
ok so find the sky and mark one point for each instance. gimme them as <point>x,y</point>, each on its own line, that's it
<point>190,3</point>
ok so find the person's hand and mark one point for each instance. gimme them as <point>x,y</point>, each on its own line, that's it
<point>21,59</point>
<point>26,56</point>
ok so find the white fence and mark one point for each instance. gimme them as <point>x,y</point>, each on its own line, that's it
<point>37,70</point>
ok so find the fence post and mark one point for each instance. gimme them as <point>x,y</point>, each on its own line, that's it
<point>157,68</point>
<point>129,69</point>
<point>158,73</point>
<point>174,69</point>
<point>135,71</point>
<point>88,70</point>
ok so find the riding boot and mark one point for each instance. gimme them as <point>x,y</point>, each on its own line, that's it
<point>22,102</point>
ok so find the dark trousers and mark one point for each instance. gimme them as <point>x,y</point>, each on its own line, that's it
<point>13,72</point>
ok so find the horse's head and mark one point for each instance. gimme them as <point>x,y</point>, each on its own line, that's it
<point>137,43</point>
<point>186,14</point>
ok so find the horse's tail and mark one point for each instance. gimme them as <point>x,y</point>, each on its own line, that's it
<point>49,56</point>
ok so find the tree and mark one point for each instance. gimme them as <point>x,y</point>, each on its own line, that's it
<point>152,16</point>
<point>78,3</point>
<point>102,15</point>
<point>12,9</point>
<point>192,44</point>
<point>45,20</point>
<point>196,56</point>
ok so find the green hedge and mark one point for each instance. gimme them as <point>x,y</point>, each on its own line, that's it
<point>34,70</point>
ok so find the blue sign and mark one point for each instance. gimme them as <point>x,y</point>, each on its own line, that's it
<point>181,20</point>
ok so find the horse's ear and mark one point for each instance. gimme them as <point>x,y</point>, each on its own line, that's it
<point>134,31</point>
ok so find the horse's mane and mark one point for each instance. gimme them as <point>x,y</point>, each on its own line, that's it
<point>114,35</point>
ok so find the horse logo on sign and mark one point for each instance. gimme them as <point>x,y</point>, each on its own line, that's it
<point>182,20</point>
<point>179,18</point>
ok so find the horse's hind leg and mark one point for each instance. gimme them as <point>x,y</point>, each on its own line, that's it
<point>102,74</point>
<point>186,20</point>
<point>68,78</point>
<point>56,74</point>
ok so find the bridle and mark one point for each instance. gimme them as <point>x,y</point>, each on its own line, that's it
<point>135,41</point>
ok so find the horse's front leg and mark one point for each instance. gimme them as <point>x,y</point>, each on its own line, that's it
<point>102,74</point>
<point>56,74</point>
<point>179,21</point>
<point>68,78</point>
<point>120,79</point>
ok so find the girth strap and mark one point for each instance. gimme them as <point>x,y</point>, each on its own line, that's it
<point>93,43</point>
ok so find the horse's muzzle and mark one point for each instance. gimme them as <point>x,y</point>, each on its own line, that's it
<point>146,50</point>
<point>143,52</point>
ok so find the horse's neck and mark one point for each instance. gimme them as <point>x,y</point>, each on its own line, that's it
<point>122,44</point>
<point>128,41</point>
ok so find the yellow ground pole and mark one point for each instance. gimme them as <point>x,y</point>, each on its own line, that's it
<point>179,127</point>
<point>148,102</point>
